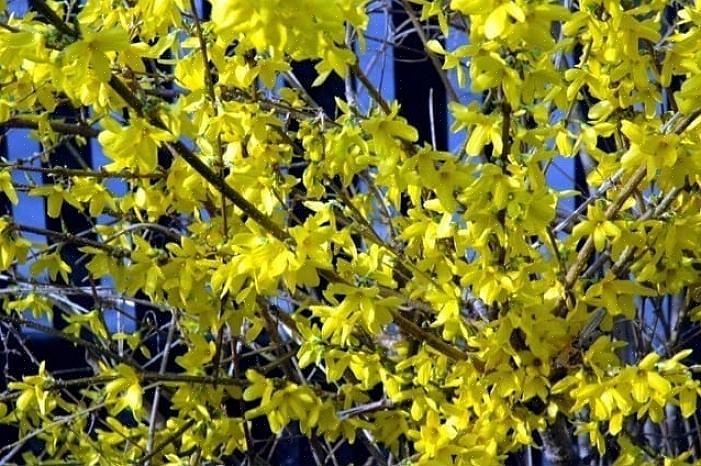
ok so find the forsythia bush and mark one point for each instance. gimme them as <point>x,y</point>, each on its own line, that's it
<point>435,305</point>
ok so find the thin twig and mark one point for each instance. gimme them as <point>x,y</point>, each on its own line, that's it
<point>74,172</point>
<point>418,28</point>
<point>171,438</point>
<point>75,239</point>
<point>157,390</point>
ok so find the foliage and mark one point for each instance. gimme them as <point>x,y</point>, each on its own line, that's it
<point>450,312</point>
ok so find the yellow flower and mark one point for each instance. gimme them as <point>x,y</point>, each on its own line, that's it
<point>434,435</point>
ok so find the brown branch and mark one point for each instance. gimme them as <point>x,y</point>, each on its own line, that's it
<point>171,438</point>
<point>629,187</point>
<point>430,339</point>
<point>75,239</point>
<point>237,199</point>
<point>129,98</point>
<point>146,377</point>
<point>51,16</point>
<point>209,81</point>
<point>69,172</point>
<point>505,132</point>
<point>372,90</point>
<point>9,28</point>
<point>59,127</point>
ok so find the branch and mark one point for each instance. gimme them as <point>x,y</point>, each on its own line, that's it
<point>68,172</point>
<point>171,438</point>
<point>146,377</point>
<point>59,127</point>
<point>231,194</point>
<point>452,95</point>
<point>505,131</point>
<point>209,83</point>
<point>68,238</point>
<point>628,188</point>
<point>676,124</point>
<point>157,391</point>
<point>557,443</point>
<point>97,349</point>
<point>54,19</point>
<point>372,90</point>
